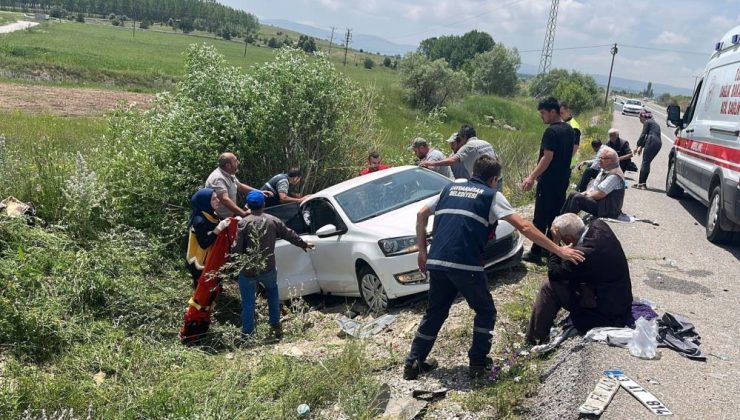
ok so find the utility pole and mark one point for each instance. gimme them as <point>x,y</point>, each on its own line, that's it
<point>347,39</point>
<point>331,39</point>
<point>546,58</point>
<point>614,51</point>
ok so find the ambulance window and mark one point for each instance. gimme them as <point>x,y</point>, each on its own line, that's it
<point>688,115</point>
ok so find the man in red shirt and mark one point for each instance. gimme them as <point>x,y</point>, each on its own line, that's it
<point>373,164</point>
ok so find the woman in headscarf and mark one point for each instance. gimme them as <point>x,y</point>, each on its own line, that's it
<point>203,228</point>
<point>649,143</point>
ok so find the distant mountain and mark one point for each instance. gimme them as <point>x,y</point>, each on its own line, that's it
<point>368,43</point>
<point>620,83</point>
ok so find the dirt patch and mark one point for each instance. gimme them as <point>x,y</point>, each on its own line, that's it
<point>71,102</point>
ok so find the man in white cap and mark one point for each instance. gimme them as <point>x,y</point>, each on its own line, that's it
<point>421,149</point>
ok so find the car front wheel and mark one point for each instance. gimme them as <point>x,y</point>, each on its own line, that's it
<point>372,290</point>
<point>715,233</point>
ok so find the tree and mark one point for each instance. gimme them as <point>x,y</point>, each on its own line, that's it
<point>429,84</point>
<point>186,25</point>
<point>495,71</point>
<point>80,18</point>
<point>578,89</point>
<point>306,43</point>
<point>368,63</point>
<point>648,92</point>
<point>456,50</point>
<point>387,62</point>
<point>273,43</point>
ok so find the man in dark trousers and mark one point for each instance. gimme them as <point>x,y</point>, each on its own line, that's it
<point>552,172</point>
<point>598,292</point>
<point>465,214</point>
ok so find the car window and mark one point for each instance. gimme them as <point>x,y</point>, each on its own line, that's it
<point>633,102</point>
<point>290,214</point>
<point>318,213</point>
<point>391,192</point>
<point>688,115</point>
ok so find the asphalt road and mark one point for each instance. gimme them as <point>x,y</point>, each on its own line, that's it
<point>676,267</point>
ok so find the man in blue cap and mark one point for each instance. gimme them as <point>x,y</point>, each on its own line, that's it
<point>256,236</point>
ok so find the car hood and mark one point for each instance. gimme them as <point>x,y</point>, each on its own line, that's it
<point>633,106</point>
<point>402,222</point>
<point>399,222</point>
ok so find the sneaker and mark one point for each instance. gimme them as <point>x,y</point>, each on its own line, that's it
<point>411,372</point>
<point>532,257</point>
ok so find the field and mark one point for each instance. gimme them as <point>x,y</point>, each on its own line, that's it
<point>91,325</point>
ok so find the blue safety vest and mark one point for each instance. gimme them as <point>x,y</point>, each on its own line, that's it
<point>461,226</point>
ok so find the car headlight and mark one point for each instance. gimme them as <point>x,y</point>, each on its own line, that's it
<point>398,246</point>
<point>411,277</point>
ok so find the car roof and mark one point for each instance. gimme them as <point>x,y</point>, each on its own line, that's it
<point>360,180</point>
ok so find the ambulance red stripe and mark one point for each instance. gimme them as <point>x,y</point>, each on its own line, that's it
<point>726,157</point>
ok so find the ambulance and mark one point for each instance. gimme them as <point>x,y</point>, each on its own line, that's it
<point>705,158</point>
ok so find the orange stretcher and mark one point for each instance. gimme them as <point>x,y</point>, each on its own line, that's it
<point>200,307</point>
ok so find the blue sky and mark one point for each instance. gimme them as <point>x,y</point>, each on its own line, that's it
<point>659,40</point>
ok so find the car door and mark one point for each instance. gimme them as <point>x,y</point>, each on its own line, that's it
<point>296,275</point>
<point>332,257</point>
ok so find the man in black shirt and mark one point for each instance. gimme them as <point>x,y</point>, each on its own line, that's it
<point>552,172</point>
<point>623,150</point>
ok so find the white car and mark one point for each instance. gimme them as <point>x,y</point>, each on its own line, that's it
<point>632,106</point>
<point>364,232</point>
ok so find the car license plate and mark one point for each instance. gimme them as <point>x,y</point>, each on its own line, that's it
<point>644,396</point>
<point>600,397</point>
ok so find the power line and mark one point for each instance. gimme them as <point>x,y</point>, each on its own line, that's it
<point>447,25</point>
<point>568,48</point>
<point>664,49</point>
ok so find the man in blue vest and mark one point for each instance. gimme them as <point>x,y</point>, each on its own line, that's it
<point>465,214</point>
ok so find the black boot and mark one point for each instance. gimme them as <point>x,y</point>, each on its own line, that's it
<point>412,371</point>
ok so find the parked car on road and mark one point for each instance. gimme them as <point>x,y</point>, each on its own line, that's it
<point>705,158</point>
<point>632,106</point>
<point>364,231</point>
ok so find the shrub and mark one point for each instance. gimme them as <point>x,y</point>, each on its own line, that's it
<point>80,18</point>
<point>494,71</point>
<point>387,62</point>
<point>578,89</point>
<point>368,63</point>
<point>116,22</point>
<point>431,84</point>
<point>145,24</point>
<point>86,211</point>
<point>296,110</point>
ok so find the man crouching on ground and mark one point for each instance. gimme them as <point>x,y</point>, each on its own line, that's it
<point>598,293</point>
<point>465,213</point>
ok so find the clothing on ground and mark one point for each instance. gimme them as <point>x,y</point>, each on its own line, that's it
<point>472,150</point>
<point>222,181</point>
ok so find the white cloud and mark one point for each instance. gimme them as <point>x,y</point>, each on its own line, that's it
<point>670,38</point>
<point>331,4</point>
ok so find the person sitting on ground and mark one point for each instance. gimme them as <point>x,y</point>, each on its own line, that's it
<point>203,228</point>
<point>606,195</point>
<point>424,153</point>
<point>593,167</point>
<point>279,186</point>
<point>268,229</point>
<point>597,292</point>
<point>623,150</point>
<point>469,149</point>
<point>373,164</point>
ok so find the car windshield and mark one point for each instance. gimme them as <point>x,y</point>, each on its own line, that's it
<point>633,102</point>
<point>389,193</point>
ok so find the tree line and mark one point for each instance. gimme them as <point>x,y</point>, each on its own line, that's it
<point>203,15</point>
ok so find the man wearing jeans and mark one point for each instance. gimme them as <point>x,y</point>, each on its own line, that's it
<point>256,236</point>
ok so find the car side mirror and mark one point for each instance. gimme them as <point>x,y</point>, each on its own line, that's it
<point>674,115</point>
<point>327,230</point>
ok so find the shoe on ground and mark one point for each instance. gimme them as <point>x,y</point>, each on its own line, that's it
<point>529,256</point>
<point>277,331</point>
<point>411,372</point>
<point>480,370</point>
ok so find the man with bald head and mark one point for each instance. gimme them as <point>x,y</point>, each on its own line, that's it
<point>224,182</point>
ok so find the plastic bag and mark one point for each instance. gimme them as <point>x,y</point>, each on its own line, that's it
<point>643,343</point>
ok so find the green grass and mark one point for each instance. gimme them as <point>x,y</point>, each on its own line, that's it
<point>9,17</point>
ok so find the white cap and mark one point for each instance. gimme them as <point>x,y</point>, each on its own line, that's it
<point>613,131</point>
<point>453,138</point>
